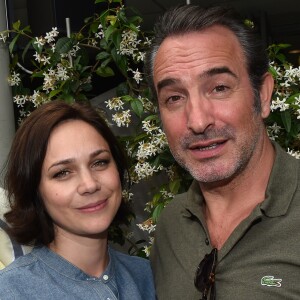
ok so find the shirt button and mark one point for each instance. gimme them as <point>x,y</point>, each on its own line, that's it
<point>105,277</point>
<point>206,241</point>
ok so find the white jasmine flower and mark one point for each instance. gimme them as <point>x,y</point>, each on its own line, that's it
<point>144,170</point>
<point>50,36</point>
<point>3,36</point>
<point>137,75</point>
<point>20,100</point>
<point>149,126</point>
<point>40,41</point>
<point>62,72</point>
<point>294,153</point>
<point>38,98</point>
<point>279,104</point>
<point>146,150</point>
<point>100,33</point>
<point>37,56</point>
<point>45,60</point>
<point>147,250</point>
<point>122,118</point>
<point>14,79</point>
<point>115,103</point>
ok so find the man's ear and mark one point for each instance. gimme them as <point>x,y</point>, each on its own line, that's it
<point>266,92</point>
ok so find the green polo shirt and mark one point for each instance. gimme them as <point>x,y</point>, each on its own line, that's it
<point>261,258</point>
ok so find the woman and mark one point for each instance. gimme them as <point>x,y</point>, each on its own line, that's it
<point>64,179</point>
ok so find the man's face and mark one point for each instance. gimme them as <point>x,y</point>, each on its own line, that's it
<point>206,103</point>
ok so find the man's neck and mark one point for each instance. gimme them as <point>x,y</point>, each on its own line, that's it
<point>226,205</point>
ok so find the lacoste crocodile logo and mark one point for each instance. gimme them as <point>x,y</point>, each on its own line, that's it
<point>271,281</point>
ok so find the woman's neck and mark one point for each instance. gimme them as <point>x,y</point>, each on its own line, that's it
<point>88,254</point>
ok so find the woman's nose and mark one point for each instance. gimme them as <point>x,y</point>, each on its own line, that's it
<point>88,183</point>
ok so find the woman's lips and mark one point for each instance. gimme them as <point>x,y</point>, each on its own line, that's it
<point>93,206</point>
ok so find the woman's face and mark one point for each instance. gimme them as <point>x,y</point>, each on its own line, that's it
<point>80,183</point>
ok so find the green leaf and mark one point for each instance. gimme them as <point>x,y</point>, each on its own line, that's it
<point>110,29</point>
<point>37,74</point>
<point>157,211</point>
<point>16,25</point>
<point>12,43</point>
<point>174,186</point>
<point>122,16</point>
<point>105,71</point>
<point>64,45</point>
<point>287,120</point>
<point>68,98</point>
<point>291,99</point>
<point>94,27</point>
<point>54,93</point>
<point>25,50</point>
<point>106,62</point>
<point>121,62</point>
<point>27,29</point>
<point>137,107</point>
<point>122,89</point>
<point>81,97</point>
<point>117,38</point>
<point>102,55</point>
<point>100,1</point>
<point>135,20</point>
<point>55,58</point>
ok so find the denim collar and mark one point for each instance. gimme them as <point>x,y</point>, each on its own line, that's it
<point>64,267</point>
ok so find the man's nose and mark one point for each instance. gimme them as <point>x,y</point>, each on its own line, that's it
<point>199,114</point>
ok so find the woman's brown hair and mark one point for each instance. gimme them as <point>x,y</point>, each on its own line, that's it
<point>29,222</point>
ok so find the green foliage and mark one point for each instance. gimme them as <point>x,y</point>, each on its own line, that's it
<point>284,120</point>
<point>110,44</point>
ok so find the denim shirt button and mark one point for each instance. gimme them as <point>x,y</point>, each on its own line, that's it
<point>105,277</point>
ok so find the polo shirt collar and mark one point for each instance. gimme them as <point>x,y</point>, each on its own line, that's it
<point>281,187</point>
<point>282,184</point>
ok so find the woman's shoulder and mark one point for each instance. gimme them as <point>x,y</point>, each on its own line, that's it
<point>18,266</point>
<point>135,272</point>
<point>129,259</point>
<point>18,273</point>
<point>134,265</point>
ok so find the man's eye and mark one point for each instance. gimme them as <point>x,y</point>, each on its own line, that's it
<point>174,98</point>
<point>221,88</point>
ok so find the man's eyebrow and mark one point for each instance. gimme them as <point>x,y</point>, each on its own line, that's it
<point>208,73</point>
<point>166,82</point>
<point>216,71</point>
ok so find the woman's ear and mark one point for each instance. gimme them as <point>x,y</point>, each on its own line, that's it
<point>266,92</point>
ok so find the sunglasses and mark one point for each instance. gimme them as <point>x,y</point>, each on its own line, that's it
<point>205,275</point>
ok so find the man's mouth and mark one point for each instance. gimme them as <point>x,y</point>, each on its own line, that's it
<point>212,146</point>
<point>206,147</point>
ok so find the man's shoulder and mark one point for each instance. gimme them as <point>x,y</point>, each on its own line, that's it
<point>176,204</point>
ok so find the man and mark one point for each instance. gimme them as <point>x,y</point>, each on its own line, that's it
<point>241,216</point>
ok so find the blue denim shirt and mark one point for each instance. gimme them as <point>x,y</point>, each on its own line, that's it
<point>42,274</point>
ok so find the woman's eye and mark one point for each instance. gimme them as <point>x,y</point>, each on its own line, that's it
<point>61,174</point>
<point>101,163</point>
